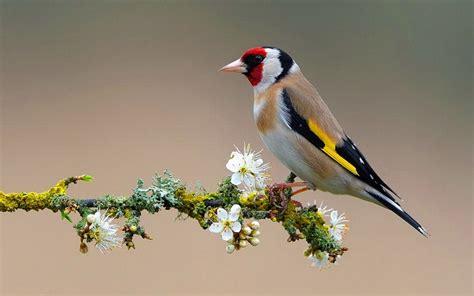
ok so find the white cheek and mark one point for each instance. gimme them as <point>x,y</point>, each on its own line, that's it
<point>271,69</point>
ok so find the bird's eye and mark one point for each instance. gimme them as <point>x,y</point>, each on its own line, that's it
<point>258,59</point>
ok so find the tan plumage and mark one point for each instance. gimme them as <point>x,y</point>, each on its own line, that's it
<point>317,169</point>
<point>307,102</point>
<point>297,126</point>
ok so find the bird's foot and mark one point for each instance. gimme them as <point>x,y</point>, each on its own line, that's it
<point>280,195</point>
<point>289,187</point>
<point>297,203</point>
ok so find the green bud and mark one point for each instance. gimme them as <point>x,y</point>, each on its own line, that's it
<point>255,233</point>
<point>254,241</point>
<point>90,218</point>
<point>254,225</point>
<point>247,230</point>
<point>87,178</point>
<point>230,248</point>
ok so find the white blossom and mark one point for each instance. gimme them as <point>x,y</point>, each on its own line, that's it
<point>227,223</point>
<point>103,231</point>
<point>322,209</point>
<point>319,260</point>
<point>248,168</point>
<point>337,225</point>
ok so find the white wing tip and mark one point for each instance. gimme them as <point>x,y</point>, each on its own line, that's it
<point>423,231</point>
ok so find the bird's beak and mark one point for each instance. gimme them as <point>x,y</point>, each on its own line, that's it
<point>236,66</point>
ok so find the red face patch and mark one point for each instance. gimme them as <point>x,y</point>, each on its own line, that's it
<point>255,75</point>
<point>253,60</point>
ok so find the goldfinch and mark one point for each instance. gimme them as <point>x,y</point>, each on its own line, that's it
<point>299,129</point>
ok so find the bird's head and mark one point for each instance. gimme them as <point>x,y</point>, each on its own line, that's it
<point>263,66</point>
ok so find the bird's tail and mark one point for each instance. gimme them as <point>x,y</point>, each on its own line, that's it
<point>397,209</point>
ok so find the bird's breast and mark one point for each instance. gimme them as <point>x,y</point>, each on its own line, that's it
<point>267,109</point>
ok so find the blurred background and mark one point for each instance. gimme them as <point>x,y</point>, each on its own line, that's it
<point>124,89</point>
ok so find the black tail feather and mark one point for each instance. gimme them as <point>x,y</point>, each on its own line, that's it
<point>400,212</point>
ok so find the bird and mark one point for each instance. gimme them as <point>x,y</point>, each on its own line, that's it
<point>298,127</point>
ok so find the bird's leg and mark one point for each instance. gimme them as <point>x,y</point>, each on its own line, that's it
<point>301,190</point>
<point>290,185</point>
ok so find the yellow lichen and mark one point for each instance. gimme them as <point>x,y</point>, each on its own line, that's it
<point>254,202</point>
<point>27,201</point>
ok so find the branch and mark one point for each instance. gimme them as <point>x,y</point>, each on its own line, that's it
<point>223,211</point>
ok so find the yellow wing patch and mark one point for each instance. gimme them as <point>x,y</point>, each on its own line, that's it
<point>330,147</point>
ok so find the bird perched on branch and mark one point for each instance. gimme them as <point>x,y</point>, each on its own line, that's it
<point>300,130</point>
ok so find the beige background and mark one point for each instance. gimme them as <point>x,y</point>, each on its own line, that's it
<point>122,90</point>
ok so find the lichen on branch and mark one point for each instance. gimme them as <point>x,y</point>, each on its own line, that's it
<point>230,211</point>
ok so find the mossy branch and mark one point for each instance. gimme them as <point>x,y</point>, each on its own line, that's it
<point>167,193</point>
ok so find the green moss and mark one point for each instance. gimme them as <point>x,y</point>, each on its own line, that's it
<point>228,192</point>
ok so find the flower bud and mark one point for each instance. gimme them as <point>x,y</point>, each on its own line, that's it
<point>247,230</point>
<point>90,218</point>
<point>254,241</point>
<point>230,248</point>
<point>255,233</point>
<point>242,244</point>
<point>242,236</point>
<point>254,225</point>
<point>83,248</point>
<point>133,228</point>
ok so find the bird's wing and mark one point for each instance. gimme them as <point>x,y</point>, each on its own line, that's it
<point>311,118</point>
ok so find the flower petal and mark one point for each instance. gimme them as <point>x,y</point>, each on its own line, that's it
<point>333,216</point>
<point>234,213</point>
<point>227,234</point>
<point>233,217</point>
<point>235,162</point>
<point>235,209</point>
<point>222,214</point>
<point>320,260</point>
<point>236,226</point>
<point>216,227</point>
<point>260,182</point>
<point>236,178</point>
<point>249,180</point>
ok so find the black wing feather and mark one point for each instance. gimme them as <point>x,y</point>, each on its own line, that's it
<point>346,149</point>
